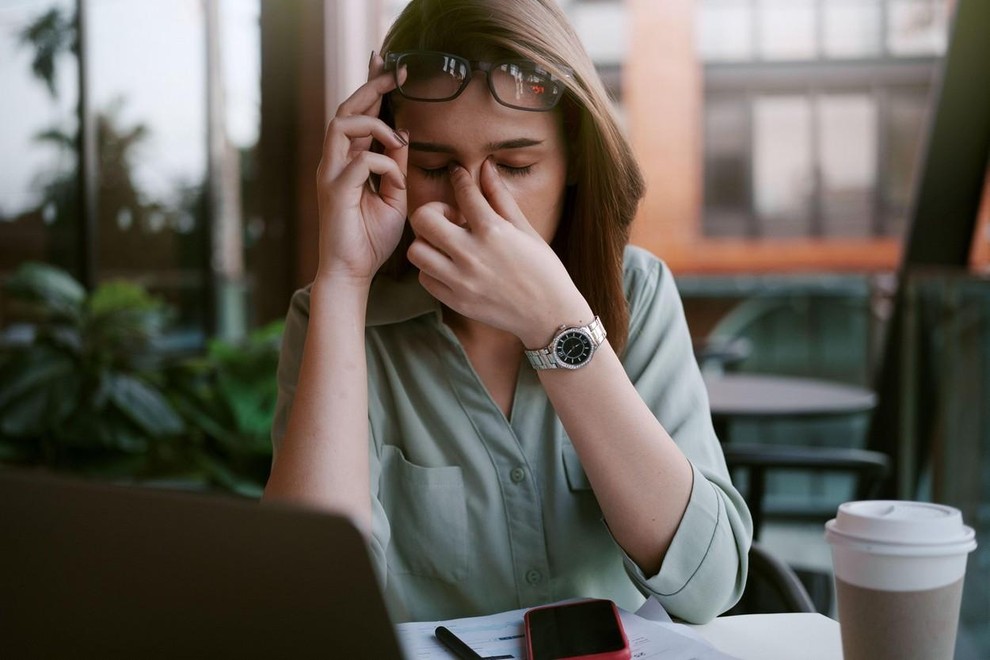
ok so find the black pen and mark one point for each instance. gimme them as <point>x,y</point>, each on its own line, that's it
<point>456,645</point>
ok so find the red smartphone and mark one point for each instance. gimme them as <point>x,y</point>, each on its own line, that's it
<point>583,630</point>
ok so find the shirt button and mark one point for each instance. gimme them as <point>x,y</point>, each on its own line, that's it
<point>534,576</point>
<point>517,474</point>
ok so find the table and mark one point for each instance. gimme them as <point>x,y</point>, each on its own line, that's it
<point>746,636</point>
<point>769,396</point>
<point>774,636</point>
<point>757,396</point>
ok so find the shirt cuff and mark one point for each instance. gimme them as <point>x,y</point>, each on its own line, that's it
<point>686,584</point>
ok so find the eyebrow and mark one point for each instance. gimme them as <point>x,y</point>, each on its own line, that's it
<point>437,148</point>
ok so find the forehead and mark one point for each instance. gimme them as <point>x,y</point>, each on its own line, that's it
<point>475,119</point>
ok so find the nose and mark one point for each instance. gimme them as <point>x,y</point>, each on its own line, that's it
<point>474,170</point>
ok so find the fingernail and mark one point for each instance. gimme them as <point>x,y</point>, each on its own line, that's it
<point>401,136</point>
<point>455,169</point>
<point>371,60</point>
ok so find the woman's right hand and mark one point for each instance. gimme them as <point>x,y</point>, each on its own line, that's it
<point>360,227</point>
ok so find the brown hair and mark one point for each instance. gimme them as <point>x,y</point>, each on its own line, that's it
<point>605,183</point>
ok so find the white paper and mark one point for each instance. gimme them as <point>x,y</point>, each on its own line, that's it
<point>500,636</point>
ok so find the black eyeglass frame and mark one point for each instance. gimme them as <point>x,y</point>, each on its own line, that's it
<point>392,64</point>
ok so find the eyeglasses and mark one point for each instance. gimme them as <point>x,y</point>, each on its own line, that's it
<point>434,77</point>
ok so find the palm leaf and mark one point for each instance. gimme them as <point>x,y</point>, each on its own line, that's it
<point>144,406</point>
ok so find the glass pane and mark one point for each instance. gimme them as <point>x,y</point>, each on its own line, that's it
<point>727,198</point>
<point>917,27</point>
<point>602,28</point>
<point>39,76</point>
<point>906,123</point>
<point>148,65</point>
<point>725,29</point>
<point>787,29</point>
<point>239,225</point>
<point>851,28</point>
<point>847,138</point>
<point>783,182</point>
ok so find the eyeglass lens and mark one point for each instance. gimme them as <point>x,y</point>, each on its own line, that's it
<point>515,85</point>
<point>431,76</point>
<point>439,77</point>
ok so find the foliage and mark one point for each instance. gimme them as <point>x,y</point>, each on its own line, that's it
<point>51,34</point>
<point>227,398</point>
<point>90,389</point>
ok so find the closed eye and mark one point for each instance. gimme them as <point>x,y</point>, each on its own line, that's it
<point>515,171</point>
<point>434,172</point>
<point>508,170</point>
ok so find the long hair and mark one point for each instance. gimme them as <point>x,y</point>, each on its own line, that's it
<point>604,181</point>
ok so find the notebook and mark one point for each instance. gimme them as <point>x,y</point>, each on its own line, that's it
<point>92,570</point>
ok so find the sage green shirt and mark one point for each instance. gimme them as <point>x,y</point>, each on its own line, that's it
<point>475,513</point>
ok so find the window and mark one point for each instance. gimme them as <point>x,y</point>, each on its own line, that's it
<point>39,195</point>
<point>813,114</point>
<point>165,125</point>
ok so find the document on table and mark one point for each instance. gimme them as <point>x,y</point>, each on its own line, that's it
<point>500,637</point>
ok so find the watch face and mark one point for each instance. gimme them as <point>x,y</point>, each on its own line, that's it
<point>573,348</point>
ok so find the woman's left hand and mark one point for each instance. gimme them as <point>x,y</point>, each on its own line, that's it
<point>485,261</point>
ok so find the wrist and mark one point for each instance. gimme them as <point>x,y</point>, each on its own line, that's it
<point>342,283</point>
<point>571,348</point>
<point>348,297</point>
<point>545,326</point>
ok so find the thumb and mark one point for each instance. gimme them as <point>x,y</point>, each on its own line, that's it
<point>501,200</point>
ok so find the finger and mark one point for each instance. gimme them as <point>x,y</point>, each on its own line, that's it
<point>498,195</point>
<point>343,132</point>
<point>376,65</point>
<point>366,99</point>
<point>356,174</point>
<point>392,194</point>
<point>471,202</point>
<point>431,260</point>
<point>437,224</point>
<point>436,288</point>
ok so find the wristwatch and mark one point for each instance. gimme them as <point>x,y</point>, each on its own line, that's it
<point>571,348</point>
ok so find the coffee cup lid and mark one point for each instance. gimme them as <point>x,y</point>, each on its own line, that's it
<point>894,524</point>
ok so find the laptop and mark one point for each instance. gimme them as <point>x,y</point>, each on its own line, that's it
<point>102,571</point>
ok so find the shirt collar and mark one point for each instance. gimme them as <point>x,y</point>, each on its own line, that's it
<point>396,300</point>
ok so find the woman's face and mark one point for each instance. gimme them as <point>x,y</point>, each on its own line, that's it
<point>528,149</point>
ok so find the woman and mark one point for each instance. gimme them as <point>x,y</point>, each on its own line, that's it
<point>461,374</point>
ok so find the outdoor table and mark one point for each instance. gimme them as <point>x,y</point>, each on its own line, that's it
<point>753,396</point>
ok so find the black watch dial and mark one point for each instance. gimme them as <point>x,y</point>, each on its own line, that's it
<point>573,348</point>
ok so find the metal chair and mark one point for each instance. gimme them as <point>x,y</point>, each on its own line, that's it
<point>772,587</point>
<point>869,467</point>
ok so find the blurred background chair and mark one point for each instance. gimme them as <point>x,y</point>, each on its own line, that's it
<point>755,462</point>
<point>794,464</point>
<point>772,586</point>
<point>803,546</point>
<point>828,335</point>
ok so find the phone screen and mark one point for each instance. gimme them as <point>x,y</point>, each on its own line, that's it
<point>574,629</point>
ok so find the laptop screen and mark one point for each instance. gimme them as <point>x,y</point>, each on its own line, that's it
<point>110,571</point>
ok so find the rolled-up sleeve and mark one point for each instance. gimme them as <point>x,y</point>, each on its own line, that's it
<point>704,570</point>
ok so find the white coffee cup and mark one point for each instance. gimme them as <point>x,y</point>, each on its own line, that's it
<point>899,570</point>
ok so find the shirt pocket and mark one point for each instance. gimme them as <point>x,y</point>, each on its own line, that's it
<point>427,511</point>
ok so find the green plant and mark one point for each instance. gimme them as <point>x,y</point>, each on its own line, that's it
<point>90,390</point>
<point>83,392</point>
<point>227,398</point>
